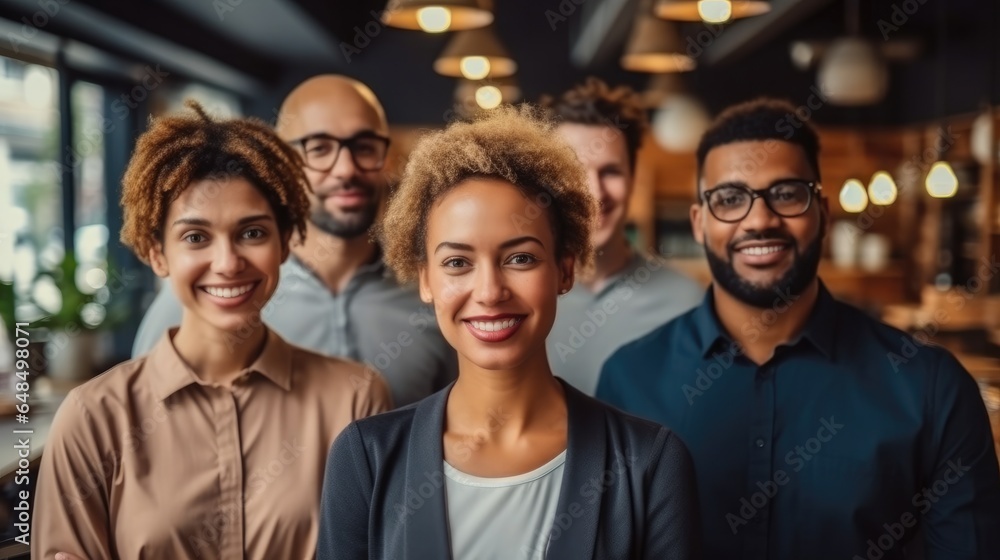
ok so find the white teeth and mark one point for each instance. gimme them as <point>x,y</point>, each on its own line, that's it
<point>491,326</point>
<point>757,251</point>
<point>228,292</point>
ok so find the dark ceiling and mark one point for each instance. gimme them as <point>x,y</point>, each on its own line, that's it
<point>268,46</point>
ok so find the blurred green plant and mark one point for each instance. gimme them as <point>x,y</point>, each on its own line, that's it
<point>78,310</point>
<point>7,306</point>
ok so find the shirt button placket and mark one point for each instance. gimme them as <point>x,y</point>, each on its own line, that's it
<point>761,468</point>
<point>229,519</point>
<point>340,324</point>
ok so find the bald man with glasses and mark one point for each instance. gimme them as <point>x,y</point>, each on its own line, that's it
<point>335,295</point>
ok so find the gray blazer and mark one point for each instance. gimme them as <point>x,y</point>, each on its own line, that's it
<point>628,489</point>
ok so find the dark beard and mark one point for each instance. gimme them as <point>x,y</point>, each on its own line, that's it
<point>348,227</point>
<point>794,282</point>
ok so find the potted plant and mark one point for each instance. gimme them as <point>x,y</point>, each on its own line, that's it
<point>71,328</point>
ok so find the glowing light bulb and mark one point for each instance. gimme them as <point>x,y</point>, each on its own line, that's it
<point>941,180</point>
<point>475,67</point>
<point>434,19</point>
<point>882,189</point>
<point>853,197</point>
<point>489,97</point>
<point>715,11</point>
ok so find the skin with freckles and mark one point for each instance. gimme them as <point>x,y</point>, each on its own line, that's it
<point>741,281</point>
<point>494,284</point>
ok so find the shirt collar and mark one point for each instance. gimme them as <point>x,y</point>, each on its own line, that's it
<point>376,267</point>
<point>706,324</point>
<point>170,373</point>
<point>612,282</point>
<point>820,328</point>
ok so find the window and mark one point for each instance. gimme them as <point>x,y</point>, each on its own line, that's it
<point>30,192</point>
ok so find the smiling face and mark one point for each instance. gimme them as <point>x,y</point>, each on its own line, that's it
<point>345,200</point>
<point>222,250</point>
<point>493,279</point>
<point>763,253</point>
<point>603,152</point>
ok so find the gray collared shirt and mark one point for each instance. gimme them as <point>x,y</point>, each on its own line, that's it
<point>590,326</point>
<point>375,320</point>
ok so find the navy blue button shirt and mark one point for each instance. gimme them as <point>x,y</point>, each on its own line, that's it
<point>854,441</point>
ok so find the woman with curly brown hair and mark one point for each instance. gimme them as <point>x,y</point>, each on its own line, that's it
<point>213,444</point>
<point>492,217</point>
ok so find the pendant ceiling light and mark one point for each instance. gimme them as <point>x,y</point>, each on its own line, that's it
<point>882,189</point>
<point>655,46</point>
<point>711,11</point>
<point>981,139</point>
<point>474,55</point>
<point>679,123</point>
<point>487,94</point>
<point>853,197</point>
<point>941,181</point>
<point>436,16</point>
<point>853,73</point>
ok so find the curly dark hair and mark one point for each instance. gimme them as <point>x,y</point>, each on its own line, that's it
<point>761,119</point>
<point>595,103</point>
<point>179,150</point>
<point>516,145</point>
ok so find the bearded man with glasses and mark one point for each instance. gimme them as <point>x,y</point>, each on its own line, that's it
<point>816,431</point>
<point>335,295</point>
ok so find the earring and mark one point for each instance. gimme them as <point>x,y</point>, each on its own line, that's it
<point>563,291</point>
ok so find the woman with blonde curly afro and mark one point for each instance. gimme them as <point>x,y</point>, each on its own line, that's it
<point>492,218</point>
<point>212,445</point>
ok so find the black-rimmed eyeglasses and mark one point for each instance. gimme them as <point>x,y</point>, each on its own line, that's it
<point>788,198</point>
<point>320,151</point>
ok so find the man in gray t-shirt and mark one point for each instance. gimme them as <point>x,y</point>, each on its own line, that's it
<point>335,296</point>
<point>629,294</point>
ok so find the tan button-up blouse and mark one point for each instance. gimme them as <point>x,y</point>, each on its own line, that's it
<point>149,461</point>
